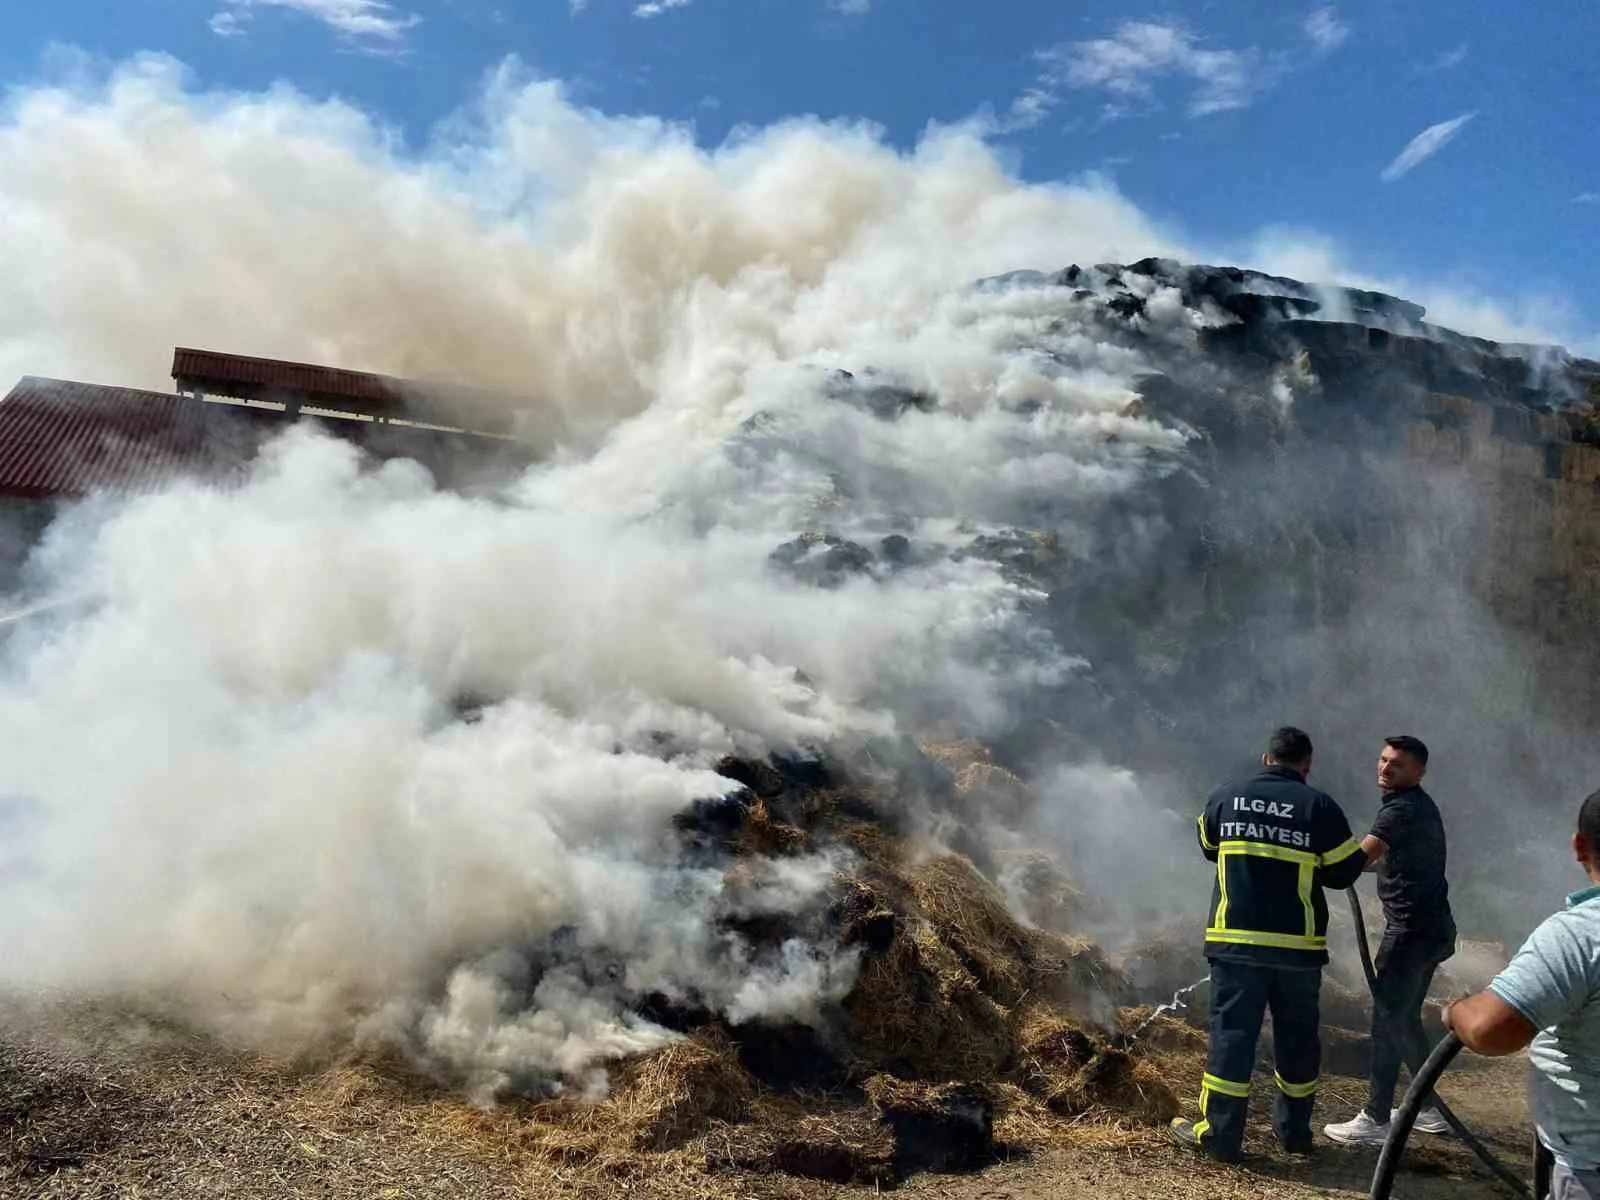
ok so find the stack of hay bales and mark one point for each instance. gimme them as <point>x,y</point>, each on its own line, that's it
<point>965,1023</point>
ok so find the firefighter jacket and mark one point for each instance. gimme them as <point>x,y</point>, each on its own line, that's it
<point>1277,843</point>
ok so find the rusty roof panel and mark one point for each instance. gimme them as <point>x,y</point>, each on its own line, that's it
<point>64,439</point>
<point>242,373</point>
<point>59,438</point>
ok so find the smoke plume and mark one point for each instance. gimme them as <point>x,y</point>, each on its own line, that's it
<point>337,754</point>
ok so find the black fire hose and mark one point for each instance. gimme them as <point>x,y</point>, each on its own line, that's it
<point>1421,1083</point>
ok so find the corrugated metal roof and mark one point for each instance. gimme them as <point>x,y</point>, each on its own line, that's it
<point>65,439</point>
<point>239,374</point>
<point>59,438</point>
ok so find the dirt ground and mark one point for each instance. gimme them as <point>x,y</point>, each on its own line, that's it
<point>151,1112</point>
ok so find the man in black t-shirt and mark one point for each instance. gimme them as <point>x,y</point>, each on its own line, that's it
<point>1407,849</point>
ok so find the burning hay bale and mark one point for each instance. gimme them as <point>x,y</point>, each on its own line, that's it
<point>1115,1085</point>
<point>1039,887</point>
<point>1063,1066</point>
<point>663,1099</point>
<point>1161,1031</point>
<point>986,791</point>
<point>1010,961</point>
<point>919,1013</point>
<point>659,1101</point>
<point>937,1127</point>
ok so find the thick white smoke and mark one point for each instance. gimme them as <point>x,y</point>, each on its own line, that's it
<point>240,780</point>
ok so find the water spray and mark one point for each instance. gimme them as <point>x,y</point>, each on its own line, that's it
<point>1180,1000</point>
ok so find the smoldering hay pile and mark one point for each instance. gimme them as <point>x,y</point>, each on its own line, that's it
<point>635,797</point>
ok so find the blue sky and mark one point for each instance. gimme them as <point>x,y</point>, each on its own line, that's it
<point>1448,140</point>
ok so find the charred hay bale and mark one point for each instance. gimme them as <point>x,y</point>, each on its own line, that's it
<point>862,916</point>
<point>1050,1045</point>
<point>842,1148</point>
<point>1113,1084</point>
<point>917,1012</point>
<point>763,835</point>
<point>937,1127</point>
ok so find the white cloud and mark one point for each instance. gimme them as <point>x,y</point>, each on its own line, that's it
<point>851,8</point>
<point>1586,198</point>
<point>1450,58</point>
<point>375,24</point>
<point>1424,146</point>
<point>1129,62</point>
<point>654,8</point>
<point>1326,31</point>
<point>1027,110</point>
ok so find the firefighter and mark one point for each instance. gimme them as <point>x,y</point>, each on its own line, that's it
<point>1277,843</point>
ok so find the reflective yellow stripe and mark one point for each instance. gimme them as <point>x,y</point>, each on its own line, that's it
<point>1220,920</point>
<point>1203,1125</point>
<point>1307,871</point>
<point>1250,937</point>
<point>1341,852</point>
<point>1204,840</point>
<point>1263,850</point>
<point>1226,1086</point>
<point>1298,1091</point>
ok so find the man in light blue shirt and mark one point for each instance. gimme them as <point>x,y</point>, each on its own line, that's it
<point>1548,999</point>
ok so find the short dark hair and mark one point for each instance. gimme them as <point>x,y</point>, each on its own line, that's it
<point>1589,821</point>
<point>1410,745</point>
<point>1290,746</point>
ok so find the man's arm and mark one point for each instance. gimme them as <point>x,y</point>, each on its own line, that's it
<point>1488,1025</point>
<point>1547,981</point>
<point>1338,854</point>
<point>1374,847</point>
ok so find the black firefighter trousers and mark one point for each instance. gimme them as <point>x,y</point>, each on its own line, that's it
<point>1241,994</point>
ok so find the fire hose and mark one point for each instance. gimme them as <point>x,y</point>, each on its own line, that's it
<point>1424,1074</point>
